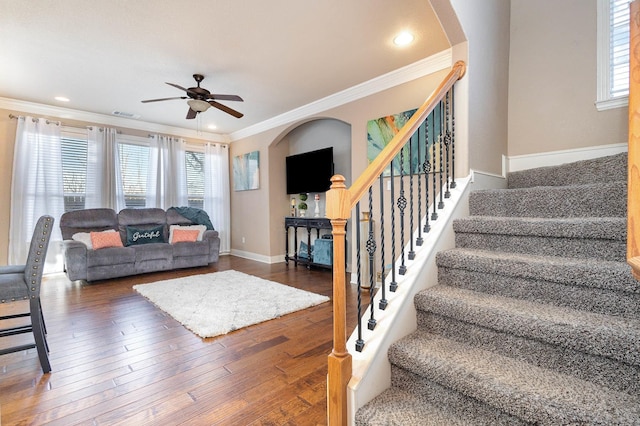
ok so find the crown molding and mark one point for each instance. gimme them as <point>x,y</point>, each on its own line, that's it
<point>434,63</point>
<point>107,120</point>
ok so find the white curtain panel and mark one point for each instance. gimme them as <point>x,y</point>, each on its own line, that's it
<point>167,181</point>
<point>216,191</point>
<point>104,180</point>
<point>36,188</point>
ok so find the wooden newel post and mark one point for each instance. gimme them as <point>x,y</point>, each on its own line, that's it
<point>633,187</point>
<point>339,362</point>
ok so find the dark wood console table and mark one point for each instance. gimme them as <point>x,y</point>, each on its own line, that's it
<point>308,223</point>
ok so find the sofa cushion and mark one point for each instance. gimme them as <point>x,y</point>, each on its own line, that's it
<point>153,251</point>
<point>184,236</point>
<point>146,218</point>
<point>137,235</point>
<point>199,228</point>
<point>110,256</point>
<point>84,238</point>
<point>101,240</point>
<point>190,249</point>
<point>87,220</point>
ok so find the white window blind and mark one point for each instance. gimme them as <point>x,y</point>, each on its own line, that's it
<point>619,47</point>
<point>74,172</point>
<point>134,163</point>
<point>194,162</point>
<point>613,53</point>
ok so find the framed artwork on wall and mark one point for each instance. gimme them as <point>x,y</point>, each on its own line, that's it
<point>246,171</point>
<point>380,132</point>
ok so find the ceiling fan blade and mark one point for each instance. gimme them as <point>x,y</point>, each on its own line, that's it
<point>191,114</point>
<point>226,109</point>
<point>225,97</point>
<point>163,99</point>
<point>177,87</point>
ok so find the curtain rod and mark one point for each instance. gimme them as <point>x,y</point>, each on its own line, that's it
<point>59,123</point>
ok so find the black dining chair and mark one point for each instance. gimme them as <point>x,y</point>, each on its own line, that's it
<point>21,283</point>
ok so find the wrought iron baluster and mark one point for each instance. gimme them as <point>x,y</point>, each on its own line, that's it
<point>453,139</point>
<point>447,143</point>
<point>402,204</point>
<point>383,299</point>
<point>419,240</point>
<point>393,286</point>
<point>440,142</point>
<point>426,168</point>
<point>371,250</point>
<point>412,254</point>
<point>434,215</point>
<point>359,341</point>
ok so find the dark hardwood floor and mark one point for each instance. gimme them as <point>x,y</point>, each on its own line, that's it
<point>117,359</point>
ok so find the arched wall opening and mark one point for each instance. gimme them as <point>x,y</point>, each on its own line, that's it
<point>304,137</point>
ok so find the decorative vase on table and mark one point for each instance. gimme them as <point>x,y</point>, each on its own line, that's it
<point>316,212</point>
<point>302,206</point>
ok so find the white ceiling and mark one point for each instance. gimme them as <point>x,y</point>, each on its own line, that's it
<point>278,55</point>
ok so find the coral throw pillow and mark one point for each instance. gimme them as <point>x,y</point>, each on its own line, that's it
<point>184,235</point>
<point>105,239</point>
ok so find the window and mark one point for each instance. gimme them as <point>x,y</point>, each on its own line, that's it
<point>194,165</point>
<point>134,165</point>
<point>73,147</point>
<point>613,54</point>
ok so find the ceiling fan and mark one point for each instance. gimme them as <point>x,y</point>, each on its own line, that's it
<point>200,99</point>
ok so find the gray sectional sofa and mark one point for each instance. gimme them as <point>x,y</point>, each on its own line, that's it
<point>82,262</point>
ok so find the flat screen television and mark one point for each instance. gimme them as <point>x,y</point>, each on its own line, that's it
<point>310,171</point>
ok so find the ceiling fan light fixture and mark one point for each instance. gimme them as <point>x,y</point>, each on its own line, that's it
<point>198,105</point>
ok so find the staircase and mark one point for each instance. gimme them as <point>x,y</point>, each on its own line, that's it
<point>536,316</point>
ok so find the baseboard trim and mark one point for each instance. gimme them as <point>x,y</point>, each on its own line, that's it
<point>556,158</point>
<point>257,257</point>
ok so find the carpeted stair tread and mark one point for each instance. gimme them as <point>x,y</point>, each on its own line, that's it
<point>532,393</point>
<point>604,335</point>
<point>615,276</point>
<point>396,406</point>
<point>604,169</point>
<point>605,228</point>
<point>589,200</point>
<point>616,375</point>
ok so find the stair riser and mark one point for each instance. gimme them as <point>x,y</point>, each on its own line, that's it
<point>582,298</point>
<point>568,247</point>
<point>446,398</point>
<point>609,342</point>
<point>600,370</point>
<point>606,200</point>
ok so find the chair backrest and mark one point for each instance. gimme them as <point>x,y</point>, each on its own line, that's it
<point>37,254</point>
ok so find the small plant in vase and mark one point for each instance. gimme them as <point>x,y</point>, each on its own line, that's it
<point>302,206</point>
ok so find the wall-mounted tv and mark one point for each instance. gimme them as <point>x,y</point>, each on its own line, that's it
<point>310,171</point>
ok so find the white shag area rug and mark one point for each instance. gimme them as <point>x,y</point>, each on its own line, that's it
<point>220,302</point>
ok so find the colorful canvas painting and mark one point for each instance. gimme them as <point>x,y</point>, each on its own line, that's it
<point>381,131</point>
<point>246,171</point>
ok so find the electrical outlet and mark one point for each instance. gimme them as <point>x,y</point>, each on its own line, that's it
<point>242,240</point>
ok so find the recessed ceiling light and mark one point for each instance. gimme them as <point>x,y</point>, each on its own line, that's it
<point>61,99</point>
<point>403,38</point>
<point>212,127</point>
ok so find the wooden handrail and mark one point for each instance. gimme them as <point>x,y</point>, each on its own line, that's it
<point>340,202</point>
<point>633,183</point>
<point>371,173</point>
